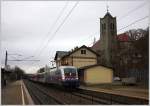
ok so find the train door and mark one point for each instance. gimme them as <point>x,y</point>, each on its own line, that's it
<point>81,75</point>
<point>58,76</point>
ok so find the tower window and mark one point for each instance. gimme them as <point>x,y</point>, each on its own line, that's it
<point>104,26</point>
<point>112,26</point>
<point>83,51</point>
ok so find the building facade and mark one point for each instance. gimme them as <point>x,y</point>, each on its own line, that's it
<point>58,56</point>
<point>95,74</point>
<point>108,32</point>
<point>127,56</point>
<point>79,57</point>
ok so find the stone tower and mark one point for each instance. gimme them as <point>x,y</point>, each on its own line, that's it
<point>108,33</point>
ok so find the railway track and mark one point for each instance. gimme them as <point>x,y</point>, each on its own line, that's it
<point>113,98</point>
<point>59,95</point>
<point>42,94</point>
<point>39,96</point>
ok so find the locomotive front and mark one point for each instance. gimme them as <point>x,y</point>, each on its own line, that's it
<point>70,77</point>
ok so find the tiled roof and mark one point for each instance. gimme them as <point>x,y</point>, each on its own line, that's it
<point>96,45</point>
<point>94,65</point>
<point>123,37</point>
<point>108,14</point>
<point>69,53</point>
<point>89,66</point>
<point>60,54</point>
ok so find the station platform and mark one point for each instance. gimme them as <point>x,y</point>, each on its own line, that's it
<point>15,93</point>
<point>134,92</point>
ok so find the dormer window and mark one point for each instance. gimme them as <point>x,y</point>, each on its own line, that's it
<point>83,51</point>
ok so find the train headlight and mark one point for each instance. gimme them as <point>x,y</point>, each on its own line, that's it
<point>63,78</point>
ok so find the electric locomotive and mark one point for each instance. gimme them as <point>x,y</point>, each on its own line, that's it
<point>66,76</point>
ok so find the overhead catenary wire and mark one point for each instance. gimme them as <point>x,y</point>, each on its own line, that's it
<point>133,23</point>
<point>58,28</point>
<point>130,24</point>
<point>120,28</point>
<point>128,13</point>
<point>54,24</point>
<point>133,10</point>
<point>107,4</point>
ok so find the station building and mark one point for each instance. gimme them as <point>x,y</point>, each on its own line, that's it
<point>79,57</point>
<point>95,74</point>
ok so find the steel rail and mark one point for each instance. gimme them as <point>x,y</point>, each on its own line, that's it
<point>38,93</point>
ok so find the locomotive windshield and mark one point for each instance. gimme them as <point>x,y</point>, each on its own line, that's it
<point>70,70</point>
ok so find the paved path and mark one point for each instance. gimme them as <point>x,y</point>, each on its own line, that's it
<point>14,94</point>
<point>131,92</point>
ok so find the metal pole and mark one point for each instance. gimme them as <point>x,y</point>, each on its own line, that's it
<point>92,99</point>
<point>6,56</point>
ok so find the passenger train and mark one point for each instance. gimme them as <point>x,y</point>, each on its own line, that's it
<point>66,76</point>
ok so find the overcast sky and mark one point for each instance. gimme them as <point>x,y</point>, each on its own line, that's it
<point>30,28</point>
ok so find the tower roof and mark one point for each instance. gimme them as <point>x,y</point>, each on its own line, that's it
<point>108,14</point>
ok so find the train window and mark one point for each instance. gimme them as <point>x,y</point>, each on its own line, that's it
<point>58,72</point>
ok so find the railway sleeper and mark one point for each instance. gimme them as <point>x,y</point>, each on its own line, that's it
<point>94,99</point>
<point>39,96</point>
<point>51,97</point>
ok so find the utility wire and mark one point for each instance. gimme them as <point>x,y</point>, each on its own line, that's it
<point>23,60</point>
<point>54,24</point>
<point>128,13</point>
<point>13,57</point>
<point>59,27</point>
<point>133,10</point>
<point>133,23</point>
<point>130,24</point>
<point>138,7</point>
<point>72,10</point>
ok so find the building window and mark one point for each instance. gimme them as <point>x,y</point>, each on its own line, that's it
<point>112,26</point>
<point>83,51</point>
<point>104,26</point>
